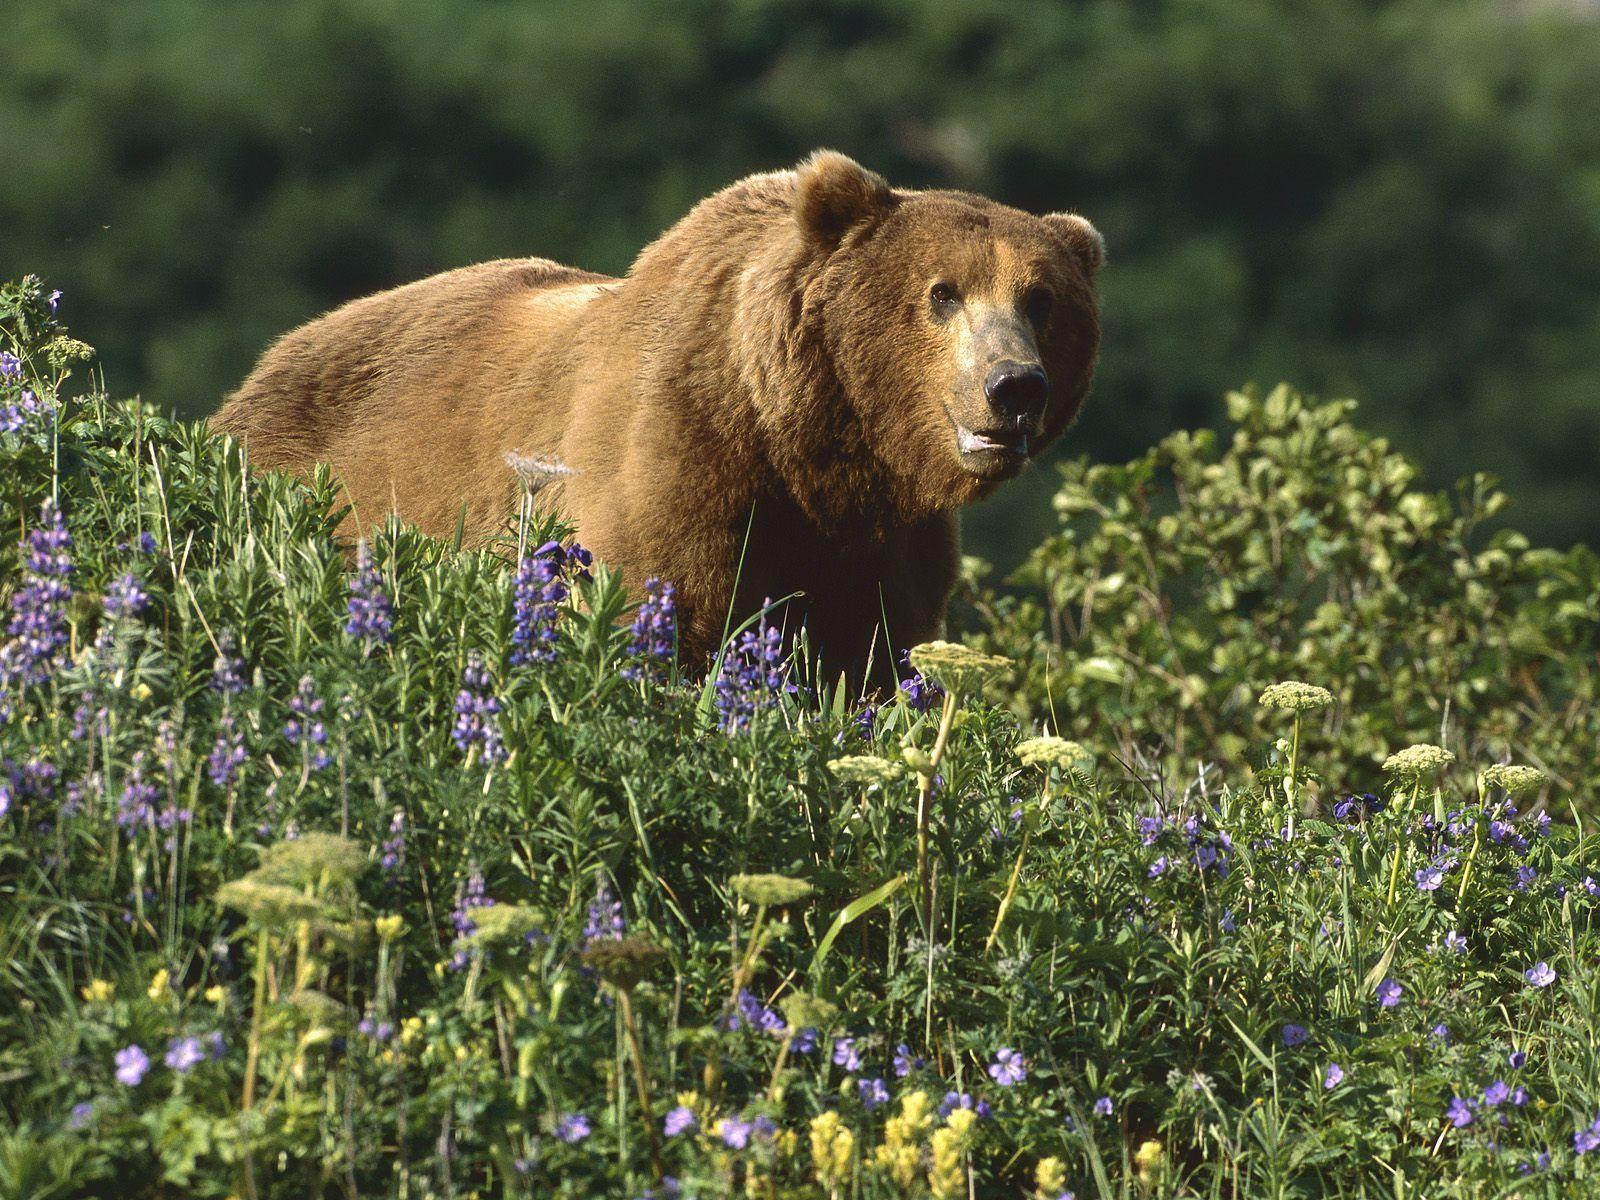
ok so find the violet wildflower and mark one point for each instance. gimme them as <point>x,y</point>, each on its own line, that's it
<point>1455,942</point>
<point>125,595</point>
<point>1333,1077</point>
<point>1103,1107</point>
<point>39,607</point>
<point>572,1128</point>
<point>755,1015</point>
<point>873,1092</point>
<point>476,709</point>
<point>10,365</point>
<point>392,854</point>
<point>1428,878</point>
<point>1540,975</point>
<point>734,1132</point>
<point>15,418</point>
<point>846,1055</point>
<point>1525,876</point>
<point>52,300</point>
<point>604,918</point>
<point>1440,1033</point>
<point>1358,807</point>
<point>1158,868</point>
<point>654,633</point>
<point>1496,1094</point>
<point>1149,830</point>
<point>227,753</point>
<point>184,1053</point>
<point>1585,1141</point>
<point>753,675</point>
<point>1459,1113</point>
<point>1007,1069</point>
<point>1389,992</point>
<point>921,692</point>
<point>1294,1035</point>
<point>227,669</point>
<point>866,721</point>
<point>136,804</point>
<point>805,1041</point>
<point>953,1101</point>
<point>305,728</point>
<point>1517,1060</point>
<point>80,1116</point>
<point>540,588</point>
<point>905,1062</point>
<point>370,611</point>
<point>679,1120</point>
<point>132,1063</point>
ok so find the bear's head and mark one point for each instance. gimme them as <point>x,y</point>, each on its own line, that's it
<point>961,333</point>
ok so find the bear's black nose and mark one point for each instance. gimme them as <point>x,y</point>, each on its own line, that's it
<point>1017,389</point>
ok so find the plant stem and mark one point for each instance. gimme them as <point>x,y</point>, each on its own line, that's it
<point>924,787</point>
<point>1016,873</point>
<point>1405,821</point>
<point>641,1083</point>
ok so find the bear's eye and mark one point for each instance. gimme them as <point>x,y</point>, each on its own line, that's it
<point>943,295</point>
<point>1039,302</point>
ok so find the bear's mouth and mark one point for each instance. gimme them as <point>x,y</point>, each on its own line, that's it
<point>992,452</point>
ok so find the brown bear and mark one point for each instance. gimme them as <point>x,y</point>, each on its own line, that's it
<point>789,394</point>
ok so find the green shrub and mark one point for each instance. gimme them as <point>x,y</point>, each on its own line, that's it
<point>1302,549</point>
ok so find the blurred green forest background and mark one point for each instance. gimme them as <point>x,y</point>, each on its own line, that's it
<point>1396,201</point>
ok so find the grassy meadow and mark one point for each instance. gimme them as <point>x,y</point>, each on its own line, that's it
<point>436,875</point>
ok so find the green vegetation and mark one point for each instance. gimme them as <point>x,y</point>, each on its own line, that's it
<point>1398,201</point>
<point>437,878</point>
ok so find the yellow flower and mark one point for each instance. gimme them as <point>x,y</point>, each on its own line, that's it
<point>160,986</point>
<point>99,991</point>
<point>140,691</point>
<point>216,994</point>
<point>410,1030</point>
<point>1149,1159</point>
<point>389,927</point>
<point>1050,1178</point>
<point>833,1148</point>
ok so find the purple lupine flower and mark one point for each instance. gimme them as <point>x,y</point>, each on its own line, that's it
<point>754,673</point>
<point>1103,1107</point>
<point>604,917</point>
<point>873,1092</point>
<point>392,854</point>
<point>1496,1094</point>
<point>1226,922</point>
<point>136,804</point>
<point>679,1120</point>
<point>1007,1068</point>
<point>905,1062</point>
<point>126,595</point>
<point>540,588</point>
<point>1459,1113</point>
<point>1149,830</point>
<point>1428,878</point>
<point>14,418</point>
<point>921,693</point>
<point>1440,1032</point>
<point>1358,807</point>
<point>755,1015</point>
<point>1517,1060</point>
<point>10,365</point>
<point>572,1128</point>
<point>846,1055</point>
<point>1294,1035</point>
<point>805,1041</point>
<point>184,1053</point>
<point>1389,992</point>
<point>953,1101</point>
<point>1525,876</point>
<point>866,721</point>
<point>476,710</point>
<point>1455,943</point>
<point>227,669</point>
<point>39,607</point>
<point>1540,975</point>
<point>132,1063</point>
<point>1158,868</point>
<point>305,728</point>
<point>53,299</point>
<point>1587,1140</point>
<point>371,614</point>
<point>734,1132</point>
<point>227,753</point>
<point>80,1116</point>
<point>654,634</point>
<point>1333,1077</point>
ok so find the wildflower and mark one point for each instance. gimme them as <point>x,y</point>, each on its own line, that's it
<point>1294,1035</point>
<point>1149,830</point>
<point>1428,878</point>
<point>1512,778</point>
<point>1295,696</point>
<point>132,1063</point>
<point>1389,992</point>
<point>1103,1107</point>
<point>227,753</point>
<point>1158,868</point>
<point>471,896</point>
<point>1455,942</point>
<point>136,804</point>
<point>539,590</point>
<point>1459,1113</point>
<point>846,1055</point>
<point>604,918</point>
<point>1517,1060</point>
<point>1358,807</point>
<point>753,674</point>
<point>304,728</point>
<point>1496,1094</point>
<point>80,1116</point>
<point>734,1132</point>
<point>368,606</point>
<point>53,299</point>
<point>872,1091</point>
<point>1587,1140</point>
<point>38,625</point>
<point>392,853</point>
<point>476,709</point>
<point>1440,1032</point>
<point>1049,1178</point>
<point>1519,1096</point>
<point>184,1053</point>
<point>1333,1077</point>
<point>805,1041</point>
<point>10,365</point>
<point>216,994</point>
<point>654,633</point>
<point>770,891</point>
<point>572,1128</point>
<point>1050,752</point>
<point>920,692</point>
<point>99,991</point>
<point>868,770</point>
<point>832,1149</point>
<point>679,1120</point>
<point>1415,762</point>
<point>905,1062</point>
<point>1540,975</point>
<point>227,670</point>
<point>1007,1069</point>
<point>957,668</point>
<point>751,1013</point>
<point>1149,1158</point>
<point>947,1148</point>
<point>624,962</point>
<point>125,595</point>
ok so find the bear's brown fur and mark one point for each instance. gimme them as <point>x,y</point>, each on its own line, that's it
<point>789,392</point>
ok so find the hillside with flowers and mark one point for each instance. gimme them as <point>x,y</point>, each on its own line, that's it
<point>429,872</point>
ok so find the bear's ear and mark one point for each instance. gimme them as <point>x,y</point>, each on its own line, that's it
<point>833,194</point>
<point>1087,246</point>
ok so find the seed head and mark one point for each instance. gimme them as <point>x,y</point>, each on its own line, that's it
<point>1047,752</point>
<point>1296,696</point>
<point>623,962</point>
<point>770,891</point>
<point>1414,762</point>
<point>1513,777</point>
<point>957,668</point>
<point>866,769</point>
<point>805,1011</point>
